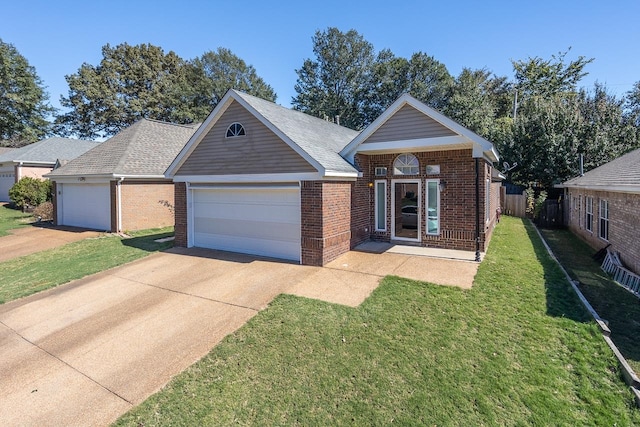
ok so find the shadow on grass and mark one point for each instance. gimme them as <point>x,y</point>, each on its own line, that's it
<point>613,303</point>
<point>562,301</point>
<point>148,242</point>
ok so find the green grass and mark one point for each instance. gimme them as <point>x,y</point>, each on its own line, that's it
<point>12,218</point>
<point>36,272</point>
<point>612,302</point>
<point>516,349</point>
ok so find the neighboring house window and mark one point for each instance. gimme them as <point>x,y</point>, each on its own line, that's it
<point>381,206</point>
<point>604,220</point>
<point>433,206</point>
<point>406,164</point>
<point>580,210</point>
<point>588,209</point>
<point>487,202</point>
<point>235,129</point>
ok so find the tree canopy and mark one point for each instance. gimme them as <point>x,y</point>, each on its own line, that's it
<point>142,81</point>
<point>24,106</point>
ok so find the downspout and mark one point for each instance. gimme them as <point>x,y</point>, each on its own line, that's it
<point>119,210</point>
<point>477,210</point>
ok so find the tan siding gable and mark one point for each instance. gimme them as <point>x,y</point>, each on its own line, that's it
<point>259,151</point>
<point>408,123</point>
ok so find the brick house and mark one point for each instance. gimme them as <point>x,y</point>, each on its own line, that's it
<point>604,207</point>
<point>262,179</point>
<point>120,185</point>
<point>37,159</point>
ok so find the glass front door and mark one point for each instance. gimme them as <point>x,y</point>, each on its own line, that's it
<point>406,210</point>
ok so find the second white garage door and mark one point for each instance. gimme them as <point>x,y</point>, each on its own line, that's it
<point>7,179</point>
<point>85,205</point>
<point>253,220</point>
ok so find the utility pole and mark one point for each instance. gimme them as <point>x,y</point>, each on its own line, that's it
<point>515,106</point>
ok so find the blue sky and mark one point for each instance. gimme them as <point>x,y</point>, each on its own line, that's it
<point>58,36</point>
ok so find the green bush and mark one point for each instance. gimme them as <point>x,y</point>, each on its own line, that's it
<point>30,192</point>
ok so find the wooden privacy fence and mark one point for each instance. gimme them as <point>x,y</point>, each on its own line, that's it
<point>515,205</point>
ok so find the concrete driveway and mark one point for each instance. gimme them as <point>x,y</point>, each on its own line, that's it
<point>86,352</point>
<point>36,238</point>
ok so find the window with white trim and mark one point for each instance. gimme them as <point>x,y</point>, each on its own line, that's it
<point>588,213</point>
<point>433,206</point>
<point>580,219</point>
<point>381,205</point>
<point>487,202</point>
<point>235,129</point>
<point>603,229</point>
<point>406,164</point>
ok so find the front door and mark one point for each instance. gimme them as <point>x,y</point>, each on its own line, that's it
<point>405,210</point>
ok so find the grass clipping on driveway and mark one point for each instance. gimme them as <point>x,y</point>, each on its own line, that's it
<point>515,349</point>
<point>36,272</point>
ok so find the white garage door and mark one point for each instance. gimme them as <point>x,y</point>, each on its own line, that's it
<point>84,205</point>
<point>253,220</point>
<point>7,179</point>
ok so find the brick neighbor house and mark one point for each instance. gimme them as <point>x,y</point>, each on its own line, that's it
<point>262,179</point>
<point>37,159</point>
<point>604,207</point>
<point>120,185</point>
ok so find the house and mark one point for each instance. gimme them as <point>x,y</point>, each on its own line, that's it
<point>604,207</point>
<point>120,185</point>
<point>262,179</point>
<point>35,160</point>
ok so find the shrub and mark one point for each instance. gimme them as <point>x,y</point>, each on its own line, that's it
<point>43,212</point>
<point>30,192</point>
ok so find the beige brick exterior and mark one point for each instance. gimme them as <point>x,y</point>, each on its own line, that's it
<point>147,204</point>
<point>624,222</point>
<point>31,171</point>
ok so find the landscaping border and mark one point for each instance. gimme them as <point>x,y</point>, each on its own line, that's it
<point>630,377</point>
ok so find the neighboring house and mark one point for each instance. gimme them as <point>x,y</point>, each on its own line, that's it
<point>262,179</point>
<point>37,159</point>
<point>604,207</point>
<point>120,184</point>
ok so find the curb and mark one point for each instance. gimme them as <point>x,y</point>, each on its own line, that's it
<point>630,377</point>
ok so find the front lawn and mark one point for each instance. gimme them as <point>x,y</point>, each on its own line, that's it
<point>12,218</point>
<point>612,302</point>
<point>33,273</point>
<point>516,349</point>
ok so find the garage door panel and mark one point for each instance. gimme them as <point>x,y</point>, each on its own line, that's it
<point>245,228</point>
<point>7,179</point>
<point>86,205</point>
<point>259,221</point>
<point>253,246</point>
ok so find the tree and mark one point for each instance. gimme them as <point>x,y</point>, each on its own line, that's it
<point>632,104</point>
<point>422,76</point>
<point>214,73</point>
<point>537,76</point>
<point>24,103</point>
<point>130,83</point>
<point>476,99</point>
<point>338,82</point>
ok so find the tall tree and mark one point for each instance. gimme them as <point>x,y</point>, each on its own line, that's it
<point>338,81</point>
<point>24,105</point>
<point>543,77</point>
<point>476,99</point>
<point>429,80</point>
<point>215,72</point>
<point>130,83</point>
<point>632,104</point>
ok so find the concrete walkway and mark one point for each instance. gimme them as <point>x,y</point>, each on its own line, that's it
<point>37,238</point>
<point>86,352</point>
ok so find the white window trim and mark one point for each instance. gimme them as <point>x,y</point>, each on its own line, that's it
<point>393,209</point>
<point>601,218</point>
<point>226,133</point>
<point>487,200</point>
<point>380,181</point>
<point>399,172</point>
<point>588,213</point>
<point>426,207</point>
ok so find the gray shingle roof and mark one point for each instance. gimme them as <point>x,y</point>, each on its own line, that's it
<point>145,148</point>
<point>49,150</point>
<point>619,174</point>
<point>321,139</point>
